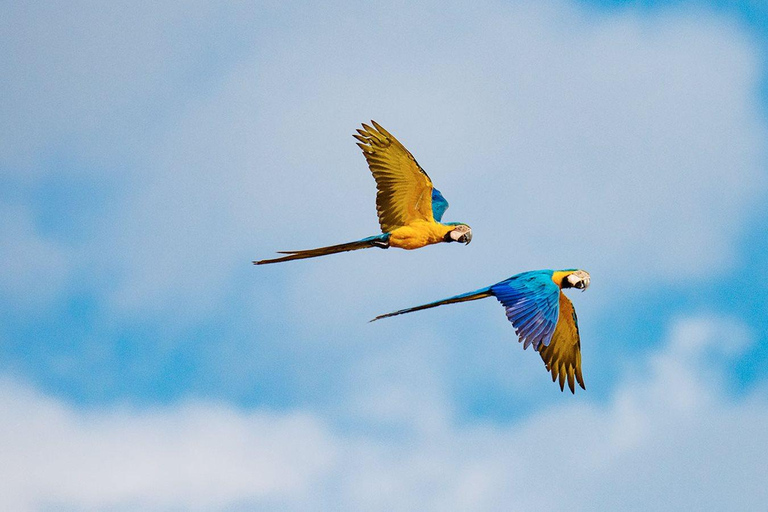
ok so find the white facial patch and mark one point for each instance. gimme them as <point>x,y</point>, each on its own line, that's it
<point>577,277</point>
<point>460,231</point>
<point>462,228</point>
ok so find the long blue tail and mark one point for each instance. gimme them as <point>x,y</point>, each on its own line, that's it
<point>464,297</point>
<point>381,241</point>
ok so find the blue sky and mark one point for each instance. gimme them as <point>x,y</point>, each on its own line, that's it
<point>148,154</point>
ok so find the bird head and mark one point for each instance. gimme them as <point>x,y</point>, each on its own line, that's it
<point>578,279</point>
<point>460,233</point>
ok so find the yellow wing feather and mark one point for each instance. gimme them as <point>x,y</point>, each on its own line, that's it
<point>563,355</point>
<point>404,189</point>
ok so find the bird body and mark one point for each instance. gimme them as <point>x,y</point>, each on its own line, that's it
<point>409,207</point>
<point>542,315</point>
<point>419,234</point>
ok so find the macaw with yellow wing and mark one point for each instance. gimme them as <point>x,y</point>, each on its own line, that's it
<point>542,315</point>
<point>410,208</point>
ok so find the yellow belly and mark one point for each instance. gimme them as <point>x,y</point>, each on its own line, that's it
<point>418,234</point>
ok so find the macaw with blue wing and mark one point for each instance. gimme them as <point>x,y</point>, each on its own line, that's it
<point>410,208</point>
<point>542,315</point>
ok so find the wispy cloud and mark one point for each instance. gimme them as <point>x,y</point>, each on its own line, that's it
<point>626,144</point>
<point>632,145</point>
<point>639,135</point>
<point>669,431</point>
<point>614,145</point>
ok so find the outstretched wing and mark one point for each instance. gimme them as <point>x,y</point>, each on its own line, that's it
<point>563,354</point>
<point>404,189</point>
<point>439,205</point>
<point>531,302</point>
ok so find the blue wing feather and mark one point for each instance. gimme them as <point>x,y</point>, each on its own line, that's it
<point>439,205</point>
<point>532,303</point>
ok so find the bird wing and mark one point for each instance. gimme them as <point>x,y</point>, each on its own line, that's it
<point>531,302</point>
<point>439,205</point>
<point>563,354</point>
<point>404,189</point>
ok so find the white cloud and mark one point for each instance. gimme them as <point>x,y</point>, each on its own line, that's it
<point>191,456</point>
<point>625,144</point>
<point>97,80</point>
<point>668,439</point>
<point>618,143</point>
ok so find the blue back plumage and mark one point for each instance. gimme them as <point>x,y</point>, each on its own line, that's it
<point>384,237</point>
<point>532,303</point>
<point>439,205</point>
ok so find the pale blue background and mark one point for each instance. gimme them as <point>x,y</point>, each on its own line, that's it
<point>150,151</point>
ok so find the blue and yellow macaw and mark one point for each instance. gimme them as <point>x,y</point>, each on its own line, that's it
<point>542,315</point>
<point>410,208</point>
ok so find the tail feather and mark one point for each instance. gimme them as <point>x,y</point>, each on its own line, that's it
<point>381,241</point>
<point>464,297</point>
